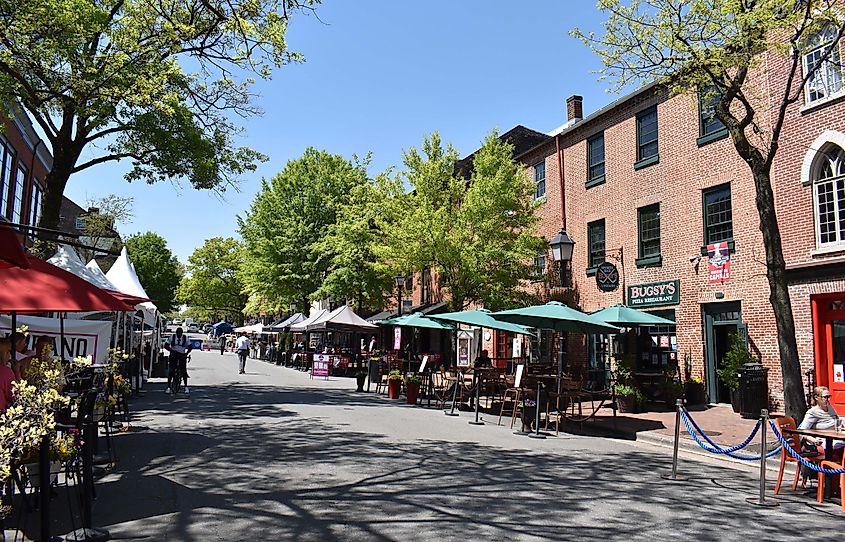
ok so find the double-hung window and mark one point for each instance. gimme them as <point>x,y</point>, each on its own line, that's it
<point>710,128</point>
<point>829,197</point>
<point>539,266</point>
<point>35,202</point>
<point>647,138</point>
<point>718,215</point>
<point>539,180</point>
<point>7,157</point>
<point>648,222</point>
<point>595,235</point>
<point>595,160</point>
<point>18,196</point>
<point>821,60</point>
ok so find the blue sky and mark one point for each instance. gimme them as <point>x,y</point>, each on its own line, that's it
<point>378,76</point>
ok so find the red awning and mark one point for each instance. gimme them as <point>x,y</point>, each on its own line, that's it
<point>12,253</point>
<point>129,299</point>
<point>46,288</point>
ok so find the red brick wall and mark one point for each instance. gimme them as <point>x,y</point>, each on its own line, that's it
<point>24,156</point>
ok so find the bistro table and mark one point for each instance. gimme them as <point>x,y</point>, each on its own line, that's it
<point>829,435</point>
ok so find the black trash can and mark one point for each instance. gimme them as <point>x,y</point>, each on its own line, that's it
<point>753,390</point>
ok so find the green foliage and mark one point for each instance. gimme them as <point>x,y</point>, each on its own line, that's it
<point>211,286</point>
<point>100,227</point>
<point>153,83</point>
<point>737,356</point>
<point>158,269</point>
<point>629,390</point>
<point>285,259</point>
<point>477,236</point>
<point>394,375</point>
<point>413,379</point>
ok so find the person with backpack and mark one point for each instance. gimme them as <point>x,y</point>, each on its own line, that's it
<point>179,347</point>
<point>242,348</point>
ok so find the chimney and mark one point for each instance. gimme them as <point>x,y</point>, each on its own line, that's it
<point>574,108</point>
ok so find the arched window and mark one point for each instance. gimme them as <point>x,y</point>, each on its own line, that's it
<point>827,79</point>
<point>829,196</point>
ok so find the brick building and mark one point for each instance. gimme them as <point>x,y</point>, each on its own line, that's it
<point>24,163</point>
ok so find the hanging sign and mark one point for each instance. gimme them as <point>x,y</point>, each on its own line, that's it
<point>607,277</point>
<point>397,338</point>
<point>655,294</point>
<point>719,259</point>
<point>838,376</point>
<point>517,347</point>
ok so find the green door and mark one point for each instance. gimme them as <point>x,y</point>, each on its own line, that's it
<point>720,321</point>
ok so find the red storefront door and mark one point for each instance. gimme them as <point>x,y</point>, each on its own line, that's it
<point>829,339</point>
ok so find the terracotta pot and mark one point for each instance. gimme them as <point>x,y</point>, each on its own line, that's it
<point>413,393</point>
<point>393,389</point>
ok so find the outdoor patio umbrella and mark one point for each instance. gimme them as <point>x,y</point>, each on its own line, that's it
<point>481,318</point>
<point>556,316</point>
<point>417,319</point>
<point>623,316</point>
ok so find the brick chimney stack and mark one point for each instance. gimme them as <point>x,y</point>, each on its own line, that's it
<point>574,108</point>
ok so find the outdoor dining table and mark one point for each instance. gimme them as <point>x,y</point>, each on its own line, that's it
<point>829,435</point>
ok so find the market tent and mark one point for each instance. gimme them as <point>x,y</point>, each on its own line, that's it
<point>302,326</point>
<point>254,328</point>
<point>341,319</point>
<point>222,327</point>
<point>481,318</point>
<point>43,287</point>
<point>67,259</point>
<point>557,316</point>
<point>417,319</point>
<point>624,316</point>
<point>122,274</point>
<point>287,322</point>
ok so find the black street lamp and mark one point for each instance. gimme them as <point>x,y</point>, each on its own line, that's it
<point>562,246</point>
<point>400,282</point>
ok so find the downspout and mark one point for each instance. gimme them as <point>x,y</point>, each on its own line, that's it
<point>560,176</point>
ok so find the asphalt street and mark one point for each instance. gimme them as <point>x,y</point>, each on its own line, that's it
<point>273,455</point>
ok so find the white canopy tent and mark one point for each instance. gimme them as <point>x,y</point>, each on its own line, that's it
<point>302,326</point>
<point>254,328</point>
<point>66,258</point>
<point>122,274</point>
<point>341,319</point>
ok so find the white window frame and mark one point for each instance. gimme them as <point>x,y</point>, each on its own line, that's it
<point>835,157</point>
<point>827,81</point>
<point>537,179</point>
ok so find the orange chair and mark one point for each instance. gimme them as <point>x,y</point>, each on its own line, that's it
<point>822,476</point>
<point>794,441</point>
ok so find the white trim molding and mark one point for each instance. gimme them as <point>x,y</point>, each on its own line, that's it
<point>828,136</point>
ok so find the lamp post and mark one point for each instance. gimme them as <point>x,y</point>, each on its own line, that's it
<point>400,282</point>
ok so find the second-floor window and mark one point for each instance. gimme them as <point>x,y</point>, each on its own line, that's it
<point>80,223</point>
<point>647,134</point>
<point>829,196</point>
<point>718,215</point>
<point>827,78</point>
<point>425,286</point>
<point>649,226</point>
<point>708,123</point>
<point>7,156</point>
<point>595,234</point>
<point>595,158</point>
<point>539,180</point>
<point>18,197</point>
<point>35,203</point>
<point>540,265</point>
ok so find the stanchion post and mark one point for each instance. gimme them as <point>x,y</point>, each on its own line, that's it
<point>454,397</point>
<point>762,500</point>
<point>477,396</point>
<point>537,433</point>
<point>679,405</point>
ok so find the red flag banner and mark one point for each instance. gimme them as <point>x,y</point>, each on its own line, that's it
<point>719,259</point>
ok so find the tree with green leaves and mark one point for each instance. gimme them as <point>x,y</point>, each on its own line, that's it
<point>355,272</point>
<point>290,216</point>
<point>718,47</point>
<point>100,225</point>
<point>478,236</point>
<point>158,269</point>
<point>211,286</point>
<point>154,83</point>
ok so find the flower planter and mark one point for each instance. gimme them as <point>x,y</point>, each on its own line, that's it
<point>528,416</point>
<point>627,404</point>
<point>359,381</point>
<point>735,400</point>
<point>413,393</point>
<point>694,392</point>
<point>393,389</point>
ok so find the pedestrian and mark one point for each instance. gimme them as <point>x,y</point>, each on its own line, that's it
<point>222,344</point>
<point>242,346</point>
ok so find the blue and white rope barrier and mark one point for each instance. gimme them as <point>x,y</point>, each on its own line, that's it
<point>694,430</point>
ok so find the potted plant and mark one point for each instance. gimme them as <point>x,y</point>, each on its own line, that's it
<point>528,414</point>
<point>629,398</point>
<point>694,391</point>
<point>360,378</point>
<point>412,388</point>
<point>728,371</point>
<point>394,384</point>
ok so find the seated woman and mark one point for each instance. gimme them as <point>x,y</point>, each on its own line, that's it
<point>821,416</point>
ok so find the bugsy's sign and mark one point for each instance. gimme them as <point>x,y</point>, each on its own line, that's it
<point>655,294</point>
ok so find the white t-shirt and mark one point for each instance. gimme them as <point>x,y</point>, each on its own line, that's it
<point>177,344</point>
<point>242,343</point>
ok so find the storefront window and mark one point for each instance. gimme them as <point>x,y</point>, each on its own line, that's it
<point>658,346</point>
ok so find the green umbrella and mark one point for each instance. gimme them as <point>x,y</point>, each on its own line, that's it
<point>557,316</point>
<point>416,319</point>
<point>623,316</point>
<point>481,318</point>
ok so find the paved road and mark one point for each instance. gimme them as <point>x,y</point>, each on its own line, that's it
<point>272,455</point>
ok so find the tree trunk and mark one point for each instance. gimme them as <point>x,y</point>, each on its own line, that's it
<point>793,385</point>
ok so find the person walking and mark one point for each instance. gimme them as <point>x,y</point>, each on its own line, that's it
<point>222,344</point>
<point>242,347</point>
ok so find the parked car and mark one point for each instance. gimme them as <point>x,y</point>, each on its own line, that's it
<point>193,328</point>
<point>177,321</point>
